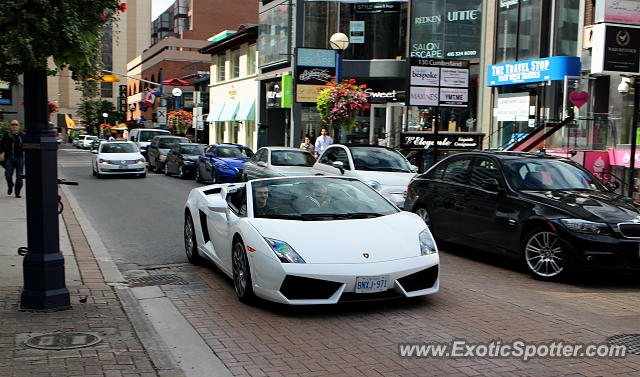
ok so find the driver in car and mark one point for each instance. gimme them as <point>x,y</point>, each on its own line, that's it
<point>319,195</point>
<point>262,201</point>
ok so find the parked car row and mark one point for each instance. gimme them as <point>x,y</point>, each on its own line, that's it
<point>84,141</point>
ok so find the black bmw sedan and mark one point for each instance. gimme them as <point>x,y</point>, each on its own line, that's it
<point>550,212</point>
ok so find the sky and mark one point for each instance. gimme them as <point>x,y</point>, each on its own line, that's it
<point>159,6</point>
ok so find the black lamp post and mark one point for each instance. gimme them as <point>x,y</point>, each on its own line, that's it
<point>43,266</point>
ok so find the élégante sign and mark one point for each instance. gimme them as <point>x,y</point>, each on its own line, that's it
<point>446,29</point>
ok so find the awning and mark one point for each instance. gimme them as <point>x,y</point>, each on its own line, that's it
<point>229,112</point>
<point>216,110</point>
<point>246,110</point>
<point>121,126</point>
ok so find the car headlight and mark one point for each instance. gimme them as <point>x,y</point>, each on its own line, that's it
<point>162,157</point>
<point>189,162</point>
<point>141,161</point>
<point>284,252</point>
<point>374,185</point>
<point>427,244</point>
<point>223,166</point>
<point>584,226</point>
<point>101,161</point>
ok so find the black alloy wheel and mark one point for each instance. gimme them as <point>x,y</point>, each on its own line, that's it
<point>242,273</point>
<point>543,254</point>
<point>424,215</point>
<point>166,170</point>
<point>190,243</point>
<point>181,173</point>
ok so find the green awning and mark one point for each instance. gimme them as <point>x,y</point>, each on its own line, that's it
<point>216,110</point>
<point>246,111</point>
<point>229,112</point>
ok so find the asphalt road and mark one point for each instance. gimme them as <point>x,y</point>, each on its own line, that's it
<point>138,218</point>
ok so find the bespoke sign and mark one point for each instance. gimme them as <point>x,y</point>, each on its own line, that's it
<point>446,140</point>
<point>435,82</point>
<point>536,70</point>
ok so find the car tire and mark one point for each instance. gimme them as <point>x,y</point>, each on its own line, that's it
<point>98,175</point>
<point>190,242</point>
<point>181,174</point>
<point>242,273</point>
<point>543,254</point>
<point>213,177</point>
<point>198,176</point>
<point>166,170</point>
<point>424,215</point>
<point>142,175</point>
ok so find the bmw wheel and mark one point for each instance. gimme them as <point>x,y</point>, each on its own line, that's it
<point>166,170</point>
<point>424,215</point>
<point>543,254</point>
<point>181,172</point>
<point>242,273</point>
<point>190,244</point>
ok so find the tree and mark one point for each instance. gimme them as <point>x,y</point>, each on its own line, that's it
<point>33,31</point>
<point>91,110</point>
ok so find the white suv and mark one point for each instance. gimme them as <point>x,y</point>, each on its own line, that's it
<point>118,157</point>
<point>382,168</point>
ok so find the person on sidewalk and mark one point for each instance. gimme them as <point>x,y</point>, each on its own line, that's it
<point>12,154</point>
<point>323,141</point>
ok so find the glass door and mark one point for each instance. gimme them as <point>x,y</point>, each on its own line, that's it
<point>386,121</point>
<point>378,124</point>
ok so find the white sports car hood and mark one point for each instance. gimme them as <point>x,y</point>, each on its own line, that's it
<point>347,241</point>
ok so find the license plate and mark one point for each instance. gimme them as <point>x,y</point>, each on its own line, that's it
<point>123,167</point>
<point>371,284</point>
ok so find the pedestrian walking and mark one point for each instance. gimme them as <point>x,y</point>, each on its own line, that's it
<point>12,156</point>
<point>323,141</point>
<point>306,145</point>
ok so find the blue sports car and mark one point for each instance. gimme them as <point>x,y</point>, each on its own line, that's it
<point>222,163</point>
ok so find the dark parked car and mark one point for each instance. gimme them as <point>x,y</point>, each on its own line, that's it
<point>222,163</point>
<point>182,159</point>
<point>550,212</point>
<point>158,149</point>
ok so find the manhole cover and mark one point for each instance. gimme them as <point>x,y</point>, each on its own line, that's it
<point>631,341</point>
<point>166,279</point>
<point>63,340</point>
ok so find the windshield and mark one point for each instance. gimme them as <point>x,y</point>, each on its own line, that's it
<point>292,158</point>
<point>379,159</point>
<point>233,152</point>
<point>314,198</point>
<point>539,174</point>
<point>91,138</point>
<point>191,149</point>
<point>169,142</point>
<point>148,135</point>
<point>118,148</point>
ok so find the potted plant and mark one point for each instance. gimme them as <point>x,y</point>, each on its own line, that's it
<point>340,103</point>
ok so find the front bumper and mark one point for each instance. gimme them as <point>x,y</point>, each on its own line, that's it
<point>591,252</point>
<point>137,168</point>
<point>228,175</point>
<point>313,284</point>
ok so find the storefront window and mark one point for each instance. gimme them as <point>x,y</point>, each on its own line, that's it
<point>377,30</point>
<point>273,35</point>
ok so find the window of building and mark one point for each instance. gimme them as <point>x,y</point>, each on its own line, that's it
<point>522,31</point>
<point>106,89</point>
<point>381,27</point>
<point>274,34</point>
<point>235,63</point>
<point>251,60</point>
<point>221,67</point>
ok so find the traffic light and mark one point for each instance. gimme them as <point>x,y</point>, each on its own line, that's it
<point>105,78</point>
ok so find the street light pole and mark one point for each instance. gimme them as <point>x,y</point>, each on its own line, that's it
<point>43,266</point>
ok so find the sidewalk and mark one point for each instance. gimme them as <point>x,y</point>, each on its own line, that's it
<point>97,308</point>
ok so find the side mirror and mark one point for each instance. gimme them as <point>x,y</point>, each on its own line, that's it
<point>220,207</point>
<point>338,165</point>
<point>490,184</point>
<point>612,186</point>
<point>94,151</point>
<point>208,154</point>
<point>414,168</point>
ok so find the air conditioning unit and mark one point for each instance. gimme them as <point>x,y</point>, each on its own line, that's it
<point>588,34</point>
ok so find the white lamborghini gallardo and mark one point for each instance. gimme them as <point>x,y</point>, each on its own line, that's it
<point>310,240</point>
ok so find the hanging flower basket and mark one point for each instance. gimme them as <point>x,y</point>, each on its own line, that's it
<point>340,103</point>
<point>180,121</point>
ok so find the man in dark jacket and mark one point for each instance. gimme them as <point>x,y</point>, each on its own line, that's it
<point>12,154</point>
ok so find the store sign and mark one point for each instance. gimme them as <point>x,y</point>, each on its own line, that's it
<point>315,75</point>
<point>446,29</point>
<point>377,96</point>
<point>356,31</point>
<point>513,107</point>
<point>615,49</point>
<point>436,82</point>
<point>618,11</point>
<point>536,70</point>
<point>314,68</point>
<point>447,140</point>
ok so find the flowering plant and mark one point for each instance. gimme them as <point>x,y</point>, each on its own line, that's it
<point>52,107</point>
<point>339,103</point>
<point>180,121</point>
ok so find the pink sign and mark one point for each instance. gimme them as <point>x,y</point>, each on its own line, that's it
<point>619,11</point>
<point>598,163</point>
<point>622,157</point>
<point>579,98</point>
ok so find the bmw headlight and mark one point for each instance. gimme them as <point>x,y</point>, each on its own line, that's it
<point>284,252</point>
<point>584,226</point>
<point>427,244</point>
<point>374,185</point>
